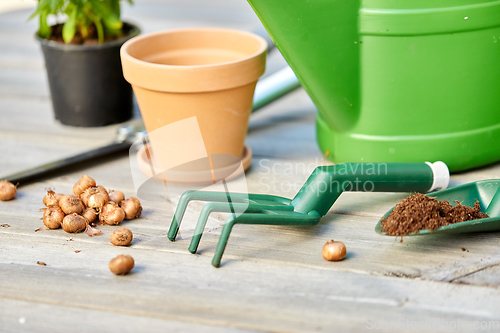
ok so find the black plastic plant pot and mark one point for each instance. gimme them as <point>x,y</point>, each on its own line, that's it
<point>86,82</point>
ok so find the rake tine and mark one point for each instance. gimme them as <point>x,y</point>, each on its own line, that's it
<point>291,218</point>
<point>188,196</point>
<point>179,213</point>
<point>209,208</point>
<point>213,207</point>
<point>221,244</point>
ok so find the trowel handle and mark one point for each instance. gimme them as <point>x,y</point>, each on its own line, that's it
<point>326,183</point>
<point>396,177</point>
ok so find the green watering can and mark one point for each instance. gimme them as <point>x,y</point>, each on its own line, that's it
<point>396,81</point>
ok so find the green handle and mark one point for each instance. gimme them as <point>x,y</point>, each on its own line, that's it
<point>326,183</point>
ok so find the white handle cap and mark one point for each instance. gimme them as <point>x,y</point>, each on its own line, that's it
<point>441,175</point>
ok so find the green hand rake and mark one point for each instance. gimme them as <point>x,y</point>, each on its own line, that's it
<point>313,200</point>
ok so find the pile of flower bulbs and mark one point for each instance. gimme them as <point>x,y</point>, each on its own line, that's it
<point>88,204</point>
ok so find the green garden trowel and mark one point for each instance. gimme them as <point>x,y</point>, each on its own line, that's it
<point>314,199</point>
<point>487,192</point>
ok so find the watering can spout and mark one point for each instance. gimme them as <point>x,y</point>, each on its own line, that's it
<point>320,41</point>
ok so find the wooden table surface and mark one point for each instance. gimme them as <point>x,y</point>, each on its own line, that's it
<point>272,278</point>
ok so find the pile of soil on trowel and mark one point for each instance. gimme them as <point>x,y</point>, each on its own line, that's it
<point>419,212</point>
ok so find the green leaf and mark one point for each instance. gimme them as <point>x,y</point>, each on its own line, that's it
<point>115,8</point>
<point>112,22</point>
<point>69,27</point>
<point>83,31</point>
<point>37,12</point>
<point>56,5</point>
<point>43,6</point>
<point>109,15</point>
<point>98,26</point>
<point>44,31</point>
<point>100,31</point>
<point>104,14</point>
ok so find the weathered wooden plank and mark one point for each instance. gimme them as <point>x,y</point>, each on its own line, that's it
<point>238,12</point>
<point>486,275</point>
<point>289,124</point>
<point>19,82</point>
<point>248,295</point>
<point>34,116</point>
<point>430,257</point>
<point>31,136</point>
<point>20,54</point>
<point>22,316</point>
<point>272,278</point>
<point>23,154</point>
<point>189,16</point>
<point>16,20</point>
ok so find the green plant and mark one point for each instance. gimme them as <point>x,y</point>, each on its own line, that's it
<point>82,16</point>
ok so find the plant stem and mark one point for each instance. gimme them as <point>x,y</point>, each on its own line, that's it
<point>98,25</point>
<point>84,31</point>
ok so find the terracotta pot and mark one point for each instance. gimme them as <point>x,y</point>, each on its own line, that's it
<point>207,73</point>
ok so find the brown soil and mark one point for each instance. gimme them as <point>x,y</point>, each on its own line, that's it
<point>420,212</point>
<point>56,35</point>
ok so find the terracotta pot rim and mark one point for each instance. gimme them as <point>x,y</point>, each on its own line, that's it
<point>194,78</point>
<point>128,43</point>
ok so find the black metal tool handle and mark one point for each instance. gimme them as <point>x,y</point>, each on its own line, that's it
<point>45,169</point>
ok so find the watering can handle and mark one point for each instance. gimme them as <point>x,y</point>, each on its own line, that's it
<point>274,86</point>
<point>326,183</point>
